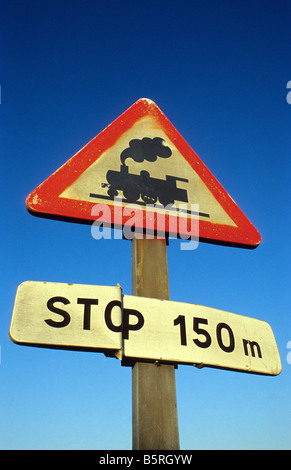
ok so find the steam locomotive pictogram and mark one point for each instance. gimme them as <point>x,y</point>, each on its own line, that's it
<point>145,187</point>
<point>142,185</point>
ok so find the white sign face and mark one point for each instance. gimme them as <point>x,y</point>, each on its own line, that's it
<point>192,334</point>
<point>100,318</point>
<point>67,316</point>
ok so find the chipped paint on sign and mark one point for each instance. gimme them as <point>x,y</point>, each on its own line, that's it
<point>142,159</point>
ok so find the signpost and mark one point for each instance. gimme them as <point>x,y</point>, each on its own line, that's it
<point>154,402</point>
<point>141,164</point>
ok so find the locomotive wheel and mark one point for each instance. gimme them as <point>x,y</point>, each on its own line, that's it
<point>112,192</point>
<point>132,194</point>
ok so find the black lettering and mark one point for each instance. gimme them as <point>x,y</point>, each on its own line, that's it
<point>201,331</point>
<point>59,311</point>
<point>222,346</point>
<point>252,345</point>
<point>129,326</point>
<point>87,311</point>
<point>180,320</point>
<point>108,319</point>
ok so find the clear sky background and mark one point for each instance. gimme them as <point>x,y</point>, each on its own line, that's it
<point>219,71</point>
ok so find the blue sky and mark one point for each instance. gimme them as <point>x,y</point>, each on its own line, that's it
<point>218,70</point>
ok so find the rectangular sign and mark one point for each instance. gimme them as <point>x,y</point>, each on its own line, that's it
<point>67,316</point>
<point>100,318</point>
<point>192,334</point>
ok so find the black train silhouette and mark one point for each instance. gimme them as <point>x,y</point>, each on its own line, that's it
<point>143,185</point>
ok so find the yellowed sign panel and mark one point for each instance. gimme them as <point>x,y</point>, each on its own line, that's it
<point>100,318</point>
<point>127,158</point>
<point>192,334</point>
<point>71,316</point>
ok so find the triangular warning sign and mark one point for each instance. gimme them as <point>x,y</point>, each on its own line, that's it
<point>141,162</point>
